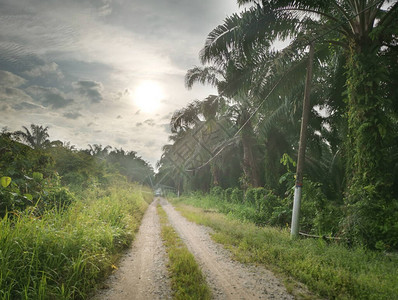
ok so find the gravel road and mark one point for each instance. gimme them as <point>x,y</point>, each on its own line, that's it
<point>143,275</point>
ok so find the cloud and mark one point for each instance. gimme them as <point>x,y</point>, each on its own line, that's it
<point>49,97</point>
<point>119,117</point>
<point>150,144</point>
<point>105,8</point>
<point>167,117</point>
<point>5,107</point>
<point>121,141</point>
<point>26,106</point>
<point>139,124</point>
<point>166,127</point>
<point>45,70</point>
<point>9,79</point>
<point>72,115</point>
<point>90,89</point>
<point>150,122</point>
<point>14,95</point>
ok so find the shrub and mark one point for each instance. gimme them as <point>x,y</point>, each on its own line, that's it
<point>59,198</point>
<point>227,194</point>
<point>216,192</point>
<point>250,196</point>
<point>237,195</point>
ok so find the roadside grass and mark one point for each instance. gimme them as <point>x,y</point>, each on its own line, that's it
<point>64,254</point>
<point>330,270</point>
<point>187,280</point>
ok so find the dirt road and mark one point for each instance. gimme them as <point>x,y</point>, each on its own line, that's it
<point>142,275</point>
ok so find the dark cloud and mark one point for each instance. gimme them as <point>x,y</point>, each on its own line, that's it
<point>16,58</point>
<point>14,95</point>
<point>119,117</point>
<point>90,89</point>
<point>72,115</point>
<point>138,124</point>
<point>9,79</point>
<point>90,124</point>
<point>49,97</point>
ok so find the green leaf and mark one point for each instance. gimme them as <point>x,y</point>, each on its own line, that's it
<point>28,196</point>
<point>37,176</point>
<point>5,181</point>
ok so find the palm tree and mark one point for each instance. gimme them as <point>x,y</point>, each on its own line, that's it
<point>365,30</point>
<point>226,78</point>
<point>36,137</point>
<point>199,122</point>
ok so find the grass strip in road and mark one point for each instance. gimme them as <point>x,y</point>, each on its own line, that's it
<point>187,279</point>
<point>330,270</point>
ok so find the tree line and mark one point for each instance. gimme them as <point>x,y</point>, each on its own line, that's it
<point>43,174</point>
<point>247,135</point>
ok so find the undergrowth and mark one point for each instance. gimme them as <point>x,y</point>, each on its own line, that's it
<point>330,270</point>
<point>187,279</point>
<point>63,254</point>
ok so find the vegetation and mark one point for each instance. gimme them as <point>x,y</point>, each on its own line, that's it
<point>247,136</point>
<point>328,269</point>
<point>65,216</point>
<point>63,254</point>
<point>188,282</point>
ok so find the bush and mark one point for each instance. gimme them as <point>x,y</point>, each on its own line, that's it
<point>59,198</point>
<point>250,196</point>
<point>237,195</point>
<point>216,192</point>
<point>227,194</point>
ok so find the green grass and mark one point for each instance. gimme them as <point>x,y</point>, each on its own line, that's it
<point>329,270</point>
<point>63,255</point>
<point>187,280</point>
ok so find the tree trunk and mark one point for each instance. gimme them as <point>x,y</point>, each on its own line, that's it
<point>214,174</point>
<point>368,168</point>
<point>250,167</point>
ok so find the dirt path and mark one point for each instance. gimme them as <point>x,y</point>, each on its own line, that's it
<point>142,273</point>
<point>228,279</point>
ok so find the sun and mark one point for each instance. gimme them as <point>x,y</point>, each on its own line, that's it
<point>147,96</point>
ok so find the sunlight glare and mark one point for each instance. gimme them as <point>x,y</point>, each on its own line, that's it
<point>147,96</point>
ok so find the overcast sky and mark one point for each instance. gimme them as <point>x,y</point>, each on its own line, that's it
<point>83,67</point>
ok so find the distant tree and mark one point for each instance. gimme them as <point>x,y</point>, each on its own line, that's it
<point>36,137</point>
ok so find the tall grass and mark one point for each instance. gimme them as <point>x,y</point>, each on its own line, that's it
<point>330,270</point>
<point>63,254</point>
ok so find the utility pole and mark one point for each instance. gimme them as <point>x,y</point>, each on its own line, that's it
<point>302,145</point>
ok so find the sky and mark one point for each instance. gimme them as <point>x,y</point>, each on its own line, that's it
<point>107,72</point>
